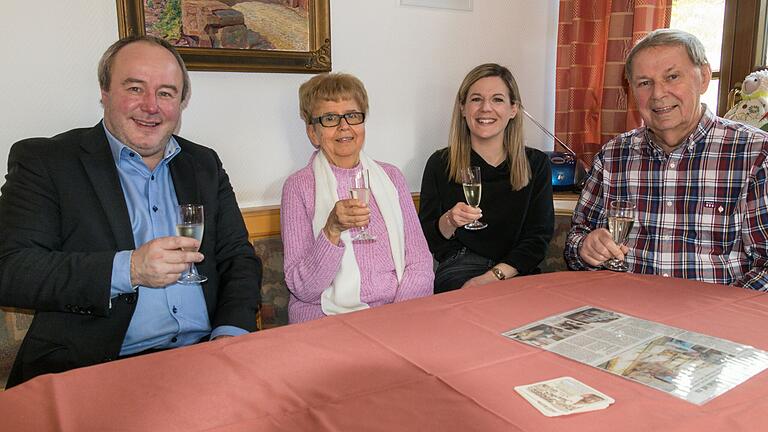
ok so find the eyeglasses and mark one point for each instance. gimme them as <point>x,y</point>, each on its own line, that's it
<point>333,120</point>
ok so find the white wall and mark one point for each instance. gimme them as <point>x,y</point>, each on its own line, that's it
<point>411,59</point>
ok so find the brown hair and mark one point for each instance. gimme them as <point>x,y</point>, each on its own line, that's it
<point>459,140</point>
<point>330,87</point>
<point>108,59</point>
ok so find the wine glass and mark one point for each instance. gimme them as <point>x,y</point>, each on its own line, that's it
<point>621,217</point>
<point>191,224</point>
<point>361,190</point>
<point>473,189</point>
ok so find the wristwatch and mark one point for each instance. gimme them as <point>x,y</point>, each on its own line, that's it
<point>498,273</point>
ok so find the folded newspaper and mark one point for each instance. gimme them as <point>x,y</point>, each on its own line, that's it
<point>692,366</point>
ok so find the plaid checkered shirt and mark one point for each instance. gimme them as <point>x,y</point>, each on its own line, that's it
<point>702,210</point>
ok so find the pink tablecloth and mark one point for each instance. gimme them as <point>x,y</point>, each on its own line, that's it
<point>433,364</point>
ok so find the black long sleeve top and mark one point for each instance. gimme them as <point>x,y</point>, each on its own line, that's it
<point>520,223</point>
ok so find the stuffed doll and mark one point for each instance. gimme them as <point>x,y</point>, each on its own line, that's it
<point>752,109</point>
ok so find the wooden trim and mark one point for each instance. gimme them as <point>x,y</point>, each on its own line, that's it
<point>265,221</point>
<point>566,196</point>
<point>565,202</point>
<point>262,221</point>
<point>742,44</point>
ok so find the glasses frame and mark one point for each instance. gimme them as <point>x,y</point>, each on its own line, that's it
<point>319,119</point>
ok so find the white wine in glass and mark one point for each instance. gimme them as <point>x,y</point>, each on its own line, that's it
<point>361,190</point>
<point>191,224</point>
<point>621,217</point>
<point>473,191</point>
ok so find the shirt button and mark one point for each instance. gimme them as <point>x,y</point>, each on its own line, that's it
<point>154,208</point>
<point>669,203</point>
<point>665,275</point>
<point>174,309</point>
<point>152,177</point>
<point>131,154</point>
<point>174,339</point>
<point>667,237</point>
<point>672,165</point>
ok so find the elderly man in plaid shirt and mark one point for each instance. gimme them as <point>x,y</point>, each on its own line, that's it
<point>698,181</point>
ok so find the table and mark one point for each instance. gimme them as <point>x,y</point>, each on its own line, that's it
<point>432,364</point>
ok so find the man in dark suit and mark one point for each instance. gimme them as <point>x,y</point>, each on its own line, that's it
<point>87,228</point>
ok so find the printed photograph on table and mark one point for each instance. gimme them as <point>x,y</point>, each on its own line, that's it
<point>563,396</point>
<point>540,335</point>
<point>237,35</point>
<point>594,315</point>
<point>666,362</point>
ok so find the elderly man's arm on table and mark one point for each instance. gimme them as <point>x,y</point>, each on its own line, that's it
<point>755,230</point>
<point>238,267</point>
<point>587,246</point>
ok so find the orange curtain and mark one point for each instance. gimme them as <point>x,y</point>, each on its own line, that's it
<point>592,100</point>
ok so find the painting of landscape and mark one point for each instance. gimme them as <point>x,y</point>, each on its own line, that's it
<point>281,25</point>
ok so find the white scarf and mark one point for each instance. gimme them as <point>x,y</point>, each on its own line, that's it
<point>344,293</point>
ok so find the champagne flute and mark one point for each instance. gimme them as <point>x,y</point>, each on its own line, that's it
<point>473,189</point>
<point>191,224</point>
<point>361,190</point>
<point>621,217</point>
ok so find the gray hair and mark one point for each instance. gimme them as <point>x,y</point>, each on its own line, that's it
<point>668,37</point>
<point>108,59</point>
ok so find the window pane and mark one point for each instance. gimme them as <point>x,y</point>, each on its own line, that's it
<point>704,19</point>
<point>710,97</point>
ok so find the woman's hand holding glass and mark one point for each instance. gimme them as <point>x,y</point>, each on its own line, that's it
<point>346,214</point>
<point>459,215</point>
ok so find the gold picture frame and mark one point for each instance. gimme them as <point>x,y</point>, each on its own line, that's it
<point>314,59</point>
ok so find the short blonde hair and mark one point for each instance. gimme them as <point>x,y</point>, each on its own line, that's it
<point>334,86</point>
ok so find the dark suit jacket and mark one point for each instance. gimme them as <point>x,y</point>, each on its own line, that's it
<point>63,217</point>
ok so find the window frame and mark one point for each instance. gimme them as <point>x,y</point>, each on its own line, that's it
<point>744,39</point>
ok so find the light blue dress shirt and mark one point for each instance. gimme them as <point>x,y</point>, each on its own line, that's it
<point>175,315</point>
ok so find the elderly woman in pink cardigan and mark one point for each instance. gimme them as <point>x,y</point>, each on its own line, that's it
<point>326,270</point>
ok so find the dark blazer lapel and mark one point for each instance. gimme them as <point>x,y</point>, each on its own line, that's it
<point>184,179</point>
<point>100,166</point>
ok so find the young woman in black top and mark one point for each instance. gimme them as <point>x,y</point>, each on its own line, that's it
<point>516,203</point>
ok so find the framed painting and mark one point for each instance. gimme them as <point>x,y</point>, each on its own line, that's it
<point>237,35</point>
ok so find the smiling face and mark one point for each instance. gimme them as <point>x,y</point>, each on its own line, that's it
<point>488,109</point>
<point>667,87</point>
<point>142,106</point>
<point>341,144</point>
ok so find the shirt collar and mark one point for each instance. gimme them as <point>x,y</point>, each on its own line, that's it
<point>698,135</point>
<point>117,148</point>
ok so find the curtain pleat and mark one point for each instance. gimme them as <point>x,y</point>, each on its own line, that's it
<point>592,99</point>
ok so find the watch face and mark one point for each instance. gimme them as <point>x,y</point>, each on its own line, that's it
<point>498,273</point>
